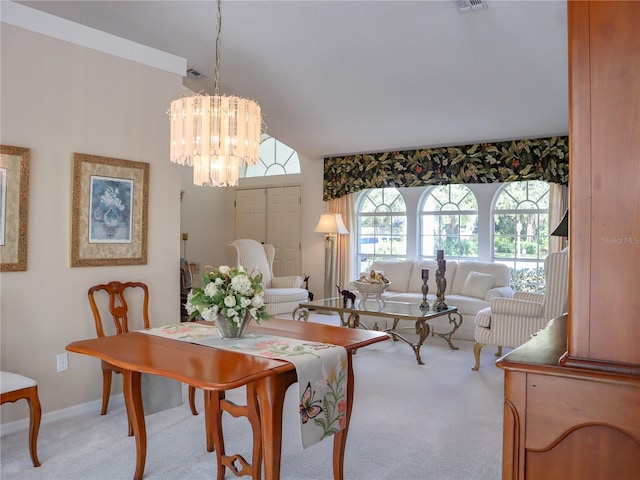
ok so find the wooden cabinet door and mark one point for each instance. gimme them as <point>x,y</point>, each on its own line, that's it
<point>604,305</point>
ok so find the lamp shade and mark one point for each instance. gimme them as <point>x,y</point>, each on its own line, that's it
<point>331,223</point>
<point>562,230</point>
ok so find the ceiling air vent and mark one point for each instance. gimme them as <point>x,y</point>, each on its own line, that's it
<point>470,5</point>
<point>194,73</point>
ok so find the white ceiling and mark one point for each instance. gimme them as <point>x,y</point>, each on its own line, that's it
<point>338,77</point>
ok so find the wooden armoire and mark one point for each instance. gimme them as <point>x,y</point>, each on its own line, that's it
<point>572,393</point>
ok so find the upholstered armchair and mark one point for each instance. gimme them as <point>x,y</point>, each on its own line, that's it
<point>281,294</point>
<point>510,322</point>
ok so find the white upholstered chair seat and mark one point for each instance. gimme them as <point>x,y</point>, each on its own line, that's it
<point>280,295</point>
<point>15,387</point>
<point>12,381</point>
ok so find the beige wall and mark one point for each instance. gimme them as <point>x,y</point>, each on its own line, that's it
<point>59,98</point>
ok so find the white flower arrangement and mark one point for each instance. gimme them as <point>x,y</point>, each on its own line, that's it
<point>230,292</point>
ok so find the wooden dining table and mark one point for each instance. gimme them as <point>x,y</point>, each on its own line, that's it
<point>215,371</point>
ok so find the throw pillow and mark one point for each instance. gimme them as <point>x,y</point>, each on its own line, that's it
<point>477,284</point>
<point>398,273</point>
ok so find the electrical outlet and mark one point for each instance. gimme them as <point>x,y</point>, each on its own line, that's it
<point>62,362</point>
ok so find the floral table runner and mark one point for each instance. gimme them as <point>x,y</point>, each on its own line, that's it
<point>321,370</point>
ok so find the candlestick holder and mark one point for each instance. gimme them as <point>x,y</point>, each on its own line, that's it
<point>424,306</point>
<point>441,284</point>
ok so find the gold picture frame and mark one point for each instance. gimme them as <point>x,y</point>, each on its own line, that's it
<point>14,208</point>
<point>109,211</point>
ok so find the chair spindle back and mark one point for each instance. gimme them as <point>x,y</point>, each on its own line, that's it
<point>117,305</point>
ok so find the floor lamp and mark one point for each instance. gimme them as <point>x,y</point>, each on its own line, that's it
<point>331,225</point>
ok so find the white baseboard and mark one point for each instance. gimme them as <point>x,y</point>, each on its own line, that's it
<point>49,417</point>
<point>92,406</point>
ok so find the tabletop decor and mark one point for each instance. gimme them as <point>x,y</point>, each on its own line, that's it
<point>321,369</point>
<point>230,297</point>
<point>441,283</point>
<point>372,285</point>
<point>14,207</point>
<point>424,306</point>
<point>109,211</point>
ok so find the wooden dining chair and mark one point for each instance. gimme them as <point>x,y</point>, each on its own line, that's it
<point>15,387</point>
<point>119,310</point>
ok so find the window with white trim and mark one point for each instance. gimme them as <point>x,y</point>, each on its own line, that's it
<point>499,222</point>
<point>382,227</point>
<point>449,222</point>
<point>276,158</point>
<point>521,232</point>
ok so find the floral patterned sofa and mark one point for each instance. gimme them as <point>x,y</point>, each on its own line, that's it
<point>470,287</point>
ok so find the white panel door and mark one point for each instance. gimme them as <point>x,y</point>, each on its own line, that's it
<point>251,214</point>
<point>283,229</point>
<point>272,215</point>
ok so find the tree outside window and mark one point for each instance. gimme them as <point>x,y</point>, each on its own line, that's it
<point>449,222</point>
<point>521,232</point>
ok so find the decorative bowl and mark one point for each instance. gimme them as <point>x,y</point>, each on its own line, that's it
<point>367,289</point>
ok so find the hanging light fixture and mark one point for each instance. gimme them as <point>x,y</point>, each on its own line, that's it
<point>215,134</point>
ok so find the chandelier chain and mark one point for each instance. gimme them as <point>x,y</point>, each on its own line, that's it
<point>217,66</point>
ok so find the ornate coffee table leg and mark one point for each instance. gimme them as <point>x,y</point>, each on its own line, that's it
<point>300,314</point>
<point>354,320</point>
<point>455,318</point>
<point>395,325</point>
<point>422,329</point>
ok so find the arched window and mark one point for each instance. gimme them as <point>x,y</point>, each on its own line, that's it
<point>276,158</point>
<point>449,222</point>
<point>521,232</point>
<point>382,226</point>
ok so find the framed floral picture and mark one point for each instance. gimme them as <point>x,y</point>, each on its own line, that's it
<point>109,211</point>
<point>14,207</point>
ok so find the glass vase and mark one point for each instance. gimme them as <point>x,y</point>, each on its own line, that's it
<point>229,329</point>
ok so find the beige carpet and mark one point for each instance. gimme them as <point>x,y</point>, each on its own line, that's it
<point>437,421</point>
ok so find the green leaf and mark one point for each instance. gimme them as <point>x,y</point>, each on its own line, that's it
<point>526,170</point>
<point>321,423</point>
<point>458,159</point>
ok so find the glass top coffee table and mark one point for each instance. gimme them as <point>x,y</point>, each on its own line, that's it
<point>387,309</point>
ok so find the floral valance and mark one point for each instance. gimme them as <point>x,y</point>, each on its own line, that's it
<point>544,159</point>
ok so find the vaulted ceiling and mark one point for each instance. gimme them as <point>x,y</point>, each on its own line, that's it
<point>338,77</point>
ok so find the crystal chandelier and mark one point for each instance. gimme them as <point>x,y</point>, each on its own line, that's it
<point>215,134</point>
